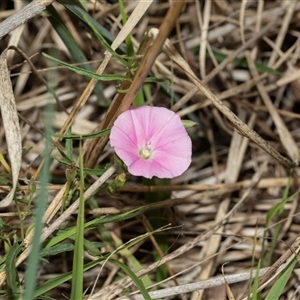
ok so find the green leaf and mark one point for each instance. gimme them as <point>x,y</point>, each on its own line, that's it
<point>242,62</point>
<point>256,280</point>
<point>10,268</point>
<point>54,250</point>
<point>34,256</point>
<point>121,217</point>
<point>65,234</point>
<point>67,38</point>
<point>134,278</point>
<point>128,41</point>
<point>69,146</point>
<point>78,263</point>
<point>93,247</point>
<point>67,160</point>
<point>84,136</point>
<point>100,32</point>
<point>96,172</point>
<point>90,21</point>
<point>133,262</point>
<point>104,42</point>
<point>90,74</point>
<point>56,281</point>
<point>3,226</point>
<point>188,123</point>
<point>281,282</point>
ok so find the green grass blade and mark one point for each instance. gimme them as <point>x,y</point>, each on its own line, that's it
<point>33,261</point>
<point>128,42</point>
<point>97,30</point>
<point>158,219</point>
<point>256,280</point>
<point>56,281</point>
<point>134,278</point>
<point>134,263</point>
<point>65,234</point>
<point>90,21</point>
<point>75,51</point>
<point>281,282</point>
<point>278,211</point>
<point>242,63</point>
<point>104,42</point>
<point>77,271</point>
<point>279,207</point>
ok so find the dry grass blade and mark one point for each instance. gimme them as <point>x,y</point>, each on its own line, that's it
<point>125,31</point>
<point>140,76</point>
<point>132,21</point>
<point>20,17</point>
<point>284,134</point>
<point>206,284</point>
<point>117,287</point>
<point>11,127</point>
<point>49,230</point>
<point>236,155</point>
<point>241,127</point>
<point>276,269</point>
<point>290,253</point>
<point>152,53</point>
<point>96,146</point>
<point>237,77</point>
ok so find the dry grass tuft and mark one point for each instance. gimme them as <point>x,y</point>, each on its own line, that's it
<point>234,70</point>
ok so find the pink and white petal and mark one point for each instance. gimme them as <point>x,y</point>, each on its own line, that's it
<point>119,139</point>
<point>174,165</point>
<point>123,126</point>
<point>175,156</point>
<point>149,121</point>
<point>161,128</point>
<point>141,167</point>
<point>127,156</point>
<point>179,147</point>
<point>148,169</point>
<point>174,129</point>
<point>140,120</point>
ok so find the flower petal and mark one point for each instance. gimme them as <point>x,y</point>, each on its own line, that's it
<point>148,169</point>
<point>159,129</point>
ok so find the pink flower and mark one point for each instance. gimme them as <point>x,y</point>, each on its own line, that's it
<point>151,141</point>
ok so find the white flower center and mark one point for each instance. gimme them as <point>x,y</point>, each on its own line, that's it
<point>145,153</point>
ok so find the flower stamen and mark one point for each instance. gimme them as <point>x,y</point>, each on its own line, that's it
<point>145,153</point>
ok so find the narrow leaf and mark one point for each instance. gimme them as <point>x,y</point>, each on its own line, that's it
<point>134,278</point>
<point>78,266</point>
<point>281,282</point>
<point>256,281</point>
<point>56,281</point>
<point>83,136</point>
<point>54,250</point>
<point>81,71</point>
<point>70,43</point>
<point>10,267</point>
<point>83,15</point>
